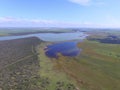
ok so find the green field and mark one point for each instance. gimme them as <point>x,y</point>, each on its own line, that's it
<point>96,68</point>
<point>103,63</point>
<point>57,80</point>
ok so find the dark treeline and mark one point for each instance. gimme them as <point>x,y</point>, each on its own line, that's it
<point>111,39</point>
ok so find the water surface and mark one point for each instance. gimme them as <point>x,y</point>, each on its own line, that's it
<point>64,48</point>
<point>52,37</point>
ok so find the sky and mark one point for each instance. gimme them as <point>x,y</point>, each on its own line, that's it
<point>60,13</point>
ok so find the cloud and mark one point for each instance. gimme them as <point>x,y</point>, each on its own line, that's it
<point>88,2</point>
<point>21,22</point>
<point>81,2</point>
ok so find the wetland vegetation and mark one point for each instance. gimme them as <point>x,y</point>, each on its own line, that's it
<point>24,64</point>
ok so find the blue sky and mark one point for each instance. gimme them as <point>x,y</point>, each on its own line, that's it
<point>60,13</point>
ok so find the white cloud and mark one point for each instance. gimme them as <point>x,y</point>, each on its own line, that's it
<point>88,2</point>
<point>18,22</point>
<point>21,22</point>
<point>81,2</point>
<point>11,19</point>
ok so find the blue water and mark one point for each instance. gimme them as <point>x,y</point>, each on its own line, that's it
<point>51,37</point>
<point>64,48</point>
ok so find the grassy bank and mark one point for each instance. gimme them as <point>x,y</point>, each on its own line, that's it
<point>96,68</point>
<point>53,79</point>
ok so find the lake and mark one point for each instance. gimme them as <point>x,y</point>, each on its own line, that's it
<point>64,48</point>
<point>65,43</point>
<point>51,37</point>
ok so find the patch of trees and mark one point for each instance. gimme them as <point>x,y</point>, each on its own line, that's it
<point>13,50</point>
<point>111,39</point>
<point>19,64</point>
<point>18,71</point>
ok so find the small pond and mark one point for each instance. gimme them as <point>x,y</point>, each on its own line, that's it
<point>64,48</point>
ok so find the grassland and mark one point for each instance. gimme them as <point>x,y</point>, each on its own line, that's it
<point>24,67</point>
<point>55,79</point>
<point>96,68</point>
<point>3,34</point>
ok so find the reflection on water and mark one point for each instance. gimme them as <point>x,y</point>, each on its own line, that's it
<point>64,48</point>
